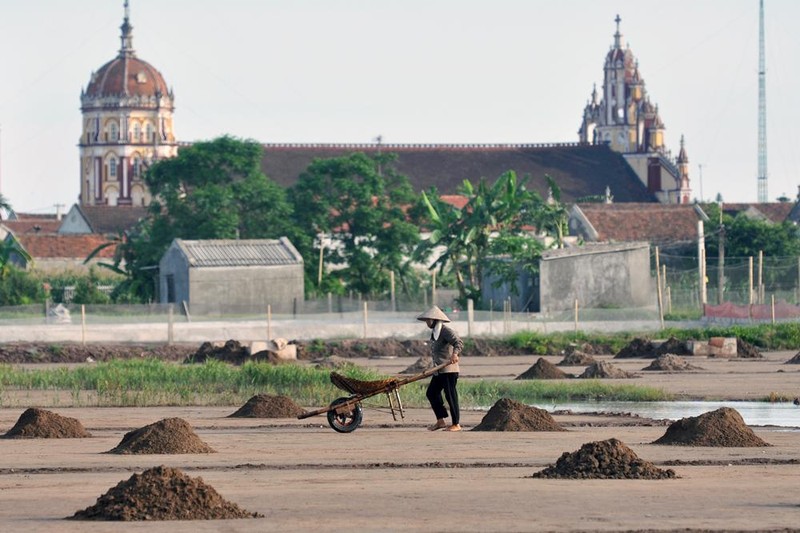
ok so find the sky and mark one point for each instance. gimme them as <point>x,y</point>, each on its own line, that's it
<point>410,71</point>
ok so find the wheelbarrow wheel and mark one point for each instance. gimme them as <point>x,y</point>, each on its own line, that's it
<point>346,421</point>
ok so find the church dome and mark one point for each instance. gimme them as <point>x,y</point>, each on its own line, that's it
<point>126,76</point>
<point>126,79</point>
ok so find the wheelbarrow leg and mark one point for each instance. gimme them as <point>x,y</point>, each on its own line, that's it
<point>392,406</point>
<point>399,403</point>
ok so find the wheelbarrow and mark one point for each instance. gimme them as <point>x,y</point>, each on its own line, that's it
<point>345,413</point>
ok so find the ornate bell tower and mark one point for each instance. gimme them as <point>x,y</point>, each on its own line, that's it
<point>127,124</point>
<point>626,121</point>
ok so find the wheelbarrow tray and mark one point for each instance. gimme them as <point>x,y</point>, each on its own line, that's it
<point>344,414</point>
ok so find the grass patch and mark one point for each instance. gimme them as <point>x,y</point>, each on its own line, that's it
<point>781,336</point>
<point>151,382</point>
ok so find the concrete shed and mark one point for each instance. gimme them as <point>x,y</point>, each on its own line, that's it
<point>232,276</point>
<point>598,276</point>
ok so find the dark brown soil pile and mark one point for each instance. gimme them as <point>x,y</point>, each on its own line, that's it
<point>671,363</point>
<point>673,346</point>
<point>608,459</point>
<point>421,365</point>
<point>269,406</point>
<point>162,493</point>
<point>511,415</point>
<point>637,348</point>
<point>39,352</point>
<point>576,358</point>
<point>604,370</point>
<point>590,349</point>
<point>794,360</point>
<point>231,352</point>
<point>392,347</point>
<point>37,423</point>
<point>171,435</point>
<point>544,369</point>
<point>746,350</point>
<point>723,427</point>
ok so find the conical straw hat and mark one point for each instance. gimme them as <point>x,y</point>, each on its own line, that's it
<point>434,313</point>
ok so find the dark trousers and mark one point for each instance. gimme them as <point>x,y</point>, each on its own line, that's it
<point>444,382</point>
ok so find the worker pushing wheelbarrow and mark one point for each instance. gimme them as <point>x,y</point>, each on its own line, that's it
<point>345,413</point>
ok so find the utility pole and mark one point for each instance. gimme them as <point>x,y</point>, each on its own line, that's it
<point>762,109</point>
<point>721,270</point>
<point>701,182</point>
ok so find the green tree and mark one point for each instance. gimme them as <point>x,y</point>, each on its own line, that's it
<point>87,291</point>
<point>492,234</point>
<point>20,287</point>
<point>358,204</point>
<point>746,236</point>
<point>210,190</point>
<point>5,205</point>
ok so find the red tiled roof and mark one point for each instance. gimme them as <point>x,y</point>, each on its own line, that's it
<point>30,225</point>
<point>455,200</point>
<point>657,223</point>
<point>112,219</point>
<point>775,212</point>
<point>579,170</point>
<point>64,246</point>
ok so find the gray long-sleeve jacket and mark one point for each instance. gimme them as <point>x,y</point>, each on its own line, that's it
<point>442,349</point>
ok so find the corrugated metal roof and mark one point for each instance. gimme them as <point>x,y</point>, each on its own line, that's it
<point>255,252</point>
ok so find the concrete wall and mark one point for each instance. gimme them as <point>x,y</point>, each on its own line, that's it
<point>603,277</point>
<point>74,223</point>
<point>241,289</point>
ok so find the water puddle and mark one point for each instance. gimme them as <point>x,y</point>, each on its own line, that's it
<point>784,414</point>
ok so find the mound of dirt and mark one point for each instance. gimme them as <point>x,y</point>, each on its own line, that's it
<point>510,415</point>
<point>590,349</point>
<point>794,360</point>
<point>746,350</point>
<point>232,352</point>
<point>605,370</point>
<point>49,352</point>
<point>167,436</point>
<point>544,369</point>
<point>637,348</point>
<point>269,406</point>
<point>162,493</point>
<point>723,427</point>
<point>393,347</point>
<point>607,459</point>
<point>671,363</point>
<point>421,365</point>
<point>37,423</point>
<point>673,346</point>
<point>576,358</point>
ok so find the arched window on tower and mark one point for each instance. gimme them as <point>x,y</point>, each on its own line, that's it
<point>137,132</point>
<point>137,167</point>
<point>112,168</point>
<point>149,132</point>
<point>113,132</point>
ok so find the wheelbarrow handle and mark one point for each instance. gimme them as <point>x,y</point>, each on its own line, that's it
<point>427,373</point>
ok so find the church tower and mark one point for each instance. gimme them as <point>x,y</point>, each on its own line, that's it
<point>127,124</point>
<point>629,123</point>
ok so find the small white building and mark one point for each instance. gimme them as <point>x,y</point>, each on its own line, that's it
<point>232,276</point>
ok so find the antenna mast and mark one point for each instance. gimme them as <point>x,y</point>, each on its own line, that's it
<point>762,110</point>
